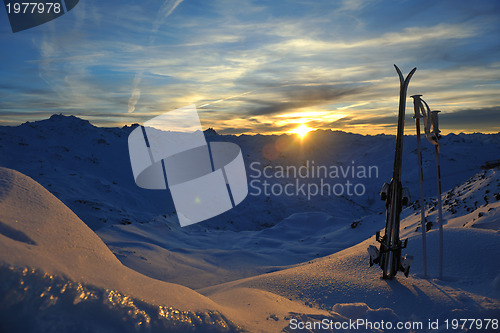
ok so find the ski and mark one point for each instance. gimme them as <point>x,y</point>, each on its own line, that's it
<point>390,245</point>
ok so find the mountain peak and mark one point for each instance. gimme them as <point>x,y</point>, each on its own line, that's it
<point>70,120</point>
<point>60,121</point>
<point>210,132</point>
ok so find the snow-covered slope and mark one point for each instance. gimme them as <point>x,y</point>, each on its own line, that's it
<point>344,283</point>
<point>202,257</point>
<point>51,262</point>
<point>476,203</point>
<point>58,275</point>
<point>86,167</point>
<point>341,283</point>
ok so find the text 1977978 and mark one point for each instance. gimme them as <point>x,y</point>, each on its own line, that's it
<point>33,7</point>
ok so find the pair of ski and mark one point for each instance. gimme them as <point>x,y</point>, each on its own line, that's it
<point>389,255</point>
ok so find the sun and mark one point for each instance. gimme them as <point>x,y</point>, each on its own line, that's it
<point>302,130</point>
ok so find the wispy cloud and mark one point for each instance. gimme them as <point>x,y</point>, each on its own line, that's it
<point>257,67</point>
<point>411,36</point>
<point>136,93</point>
<point>302,96</point>
<point>164,12</point>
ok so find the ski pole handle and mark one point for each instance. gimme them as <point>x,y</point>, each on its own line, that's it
<point>435,122</point>
<point>417,106</point>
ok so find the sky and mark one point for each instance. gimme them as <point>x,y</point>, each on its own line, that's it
<point>257,66</point>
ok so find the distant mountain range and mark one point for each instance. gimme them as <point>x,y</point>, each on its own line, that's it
<point>88,168</point>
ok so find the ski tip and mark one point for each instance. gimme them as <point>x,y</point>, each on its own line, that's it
<point>412,71</point>
<point>400,74</point>
<point>401,78</point>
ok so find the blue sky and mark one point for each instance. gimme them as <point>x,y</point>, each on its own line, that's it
<point>257,66</point>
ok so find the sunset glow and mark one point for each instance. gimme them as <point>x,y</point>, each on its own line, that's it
<point>302,130</point>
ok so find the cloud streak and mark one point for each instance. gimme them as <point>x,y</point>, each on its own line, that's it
<point>164,12</point>
<point>302,96</point>
<point>136,93</point>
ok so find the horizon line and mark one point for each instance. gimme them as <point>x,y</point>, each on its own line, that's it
<point>221,132</point>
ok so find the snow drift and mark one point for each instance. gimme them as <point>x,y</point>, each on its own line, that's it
<point>57,275</point>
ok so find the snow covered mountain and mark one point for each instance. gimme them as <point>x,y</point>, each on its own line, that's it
<point>97,253</point>
<point>88,168</point>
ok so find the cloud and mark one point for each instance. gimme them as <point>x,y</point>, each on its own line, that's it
<point>411,35</point>
<point>352,5</point>
<point>235,130</point>
<point>349,121</point>
<point>475,119</point>
<point>165,10</point>
<point>136,93</point>
<point>479,119</point>
<point>300,96</point>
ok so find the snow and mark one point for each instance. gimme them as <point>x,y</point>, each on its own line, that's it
<point>197,258</point>
<point>345,278</point>
<point>45,247</point>
<point>33,301</point>
<point>97,253</point>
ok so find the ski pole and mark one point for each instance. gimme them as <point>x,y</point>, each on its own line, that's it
<point>436,131</point>
<point>417,106</point>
